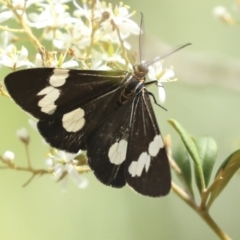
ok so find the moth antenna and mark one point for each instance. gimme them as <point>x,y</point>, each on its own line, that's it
<point>140,43</point>
<point>166,55</point>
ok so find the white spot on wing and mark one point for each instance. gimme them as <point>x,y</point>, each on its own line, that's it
<point>46,90</point>
<point>49,98</point>
<point>155,146</point>
<point>117,152</point>
<point>59,77</point>
<point>47,103</point>
<point>136,167</point>
<point>74,120</point>
<point>133,168</point>
<point>49,109</point>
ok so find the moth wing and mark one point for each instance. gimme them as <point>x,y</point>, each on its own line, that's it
<point>107,147</point>
<point>70,130</point>
<point>147,167</point>
<point>68,103</point>
<point>44,92</point>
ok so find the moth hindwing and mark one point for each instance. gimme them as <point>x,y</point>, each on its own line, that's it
<point>108,113</point>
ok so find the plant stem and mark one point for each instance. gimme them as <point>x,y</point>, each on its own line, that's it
<point>28,156</point>
<point>25,27</point>
<point>2,92</point>
<point>202,212</point>
<point>208,219</point>
<point>4,28</point>
<point>125,56</point>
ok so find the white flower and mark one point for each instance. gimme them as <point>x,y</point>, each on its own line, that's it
<point>23,135</point>
<point>108,19</point>
<point>60,61</point>
<point>64,165</point>
<point>19,6</point>
<point>161,93</point>
<point>82,12</point>
<point>38,60</point>
<point>15,59</point>
<point>120,17</point>
<point>4,16</point>
<point>156,72</point>
<point>220,12</point>
<point>5,39</point>
<point>8,156</point>
<point>100,59</point>
<point>78,37</point>
<point>69,64</point>
<point>53,16</point>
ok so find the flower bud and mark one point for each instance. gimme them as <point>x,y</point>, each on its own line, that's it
<point>105,15</point>
<point>22,134</point>
<point>8,156</point>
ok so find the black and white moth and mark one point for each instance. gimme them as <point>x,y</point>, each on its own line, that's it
<point>107,113</point>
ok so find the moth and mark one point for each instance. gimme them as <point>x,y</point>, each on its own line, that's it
<point>107,113</point>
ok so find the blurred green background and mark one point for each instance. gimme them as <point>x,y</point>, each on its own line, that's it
<point>207,103</point>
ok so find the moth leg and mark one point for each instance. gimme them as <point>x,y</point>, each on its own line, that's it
<point>155,101</point>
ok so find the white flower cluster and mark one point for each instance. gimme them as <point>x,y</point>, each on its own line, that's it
<point>93,34</point>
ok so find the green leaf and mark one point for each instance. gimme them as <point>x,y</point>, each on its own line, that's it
<point>181,157</point>
<point>197,178</point>
<point>207,149</point>
<point>193,152</point>
<point>224,174</point>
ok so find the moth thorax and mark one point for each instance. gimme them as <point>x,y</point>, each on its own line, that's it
<point>130,88</point>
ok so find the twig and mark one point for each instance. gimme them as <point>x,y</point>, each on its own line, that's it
<point>3,92</point>
<point>205,195</point>
<point>28,156</point>
<point>5,167</point>
<point>94,28</point>
<point>201,212</point>
<point>25,27</point>
<point>4,28</point>
<point>125,56</point>
<point>28,181</point>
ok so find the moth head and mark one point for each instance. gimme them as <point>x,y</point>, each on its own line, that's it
<point>140,71</point>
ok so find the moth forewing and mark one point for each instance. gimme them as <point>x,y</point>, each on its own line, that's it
<point>69,104</point>
<point>48,91</point>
